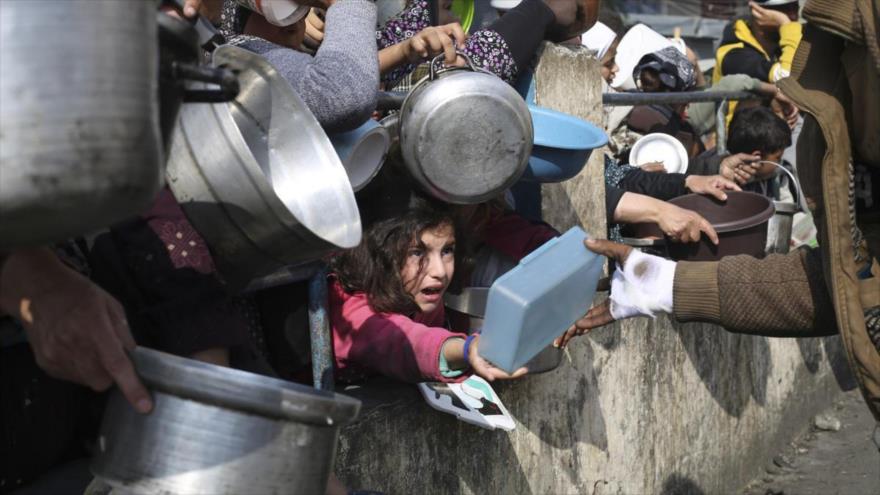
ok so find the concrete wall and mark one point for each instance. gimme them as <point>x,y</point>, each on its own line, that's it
<point>637,407</point>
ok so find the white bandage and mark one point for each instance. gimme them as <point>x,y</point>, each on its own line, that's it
<point>643,287</point>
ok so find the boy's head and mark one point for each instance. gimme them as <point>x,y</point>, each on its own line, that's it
<point>758,129</point>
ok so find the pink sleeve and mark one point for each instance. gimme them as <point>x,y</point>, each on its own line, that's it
<point>516,237</point>
<point>389,344</point>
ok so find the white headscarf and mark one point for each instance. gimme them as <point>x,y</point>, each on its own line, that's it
<point>599,39</point>
<point>504,4</point>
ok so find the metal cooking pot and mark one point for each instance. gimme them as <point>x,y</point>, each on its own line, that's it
<point>217,430</point>
<point>258,178</point>
<point>780,224</point>
<point>79,130</point>
<point>465,134</point>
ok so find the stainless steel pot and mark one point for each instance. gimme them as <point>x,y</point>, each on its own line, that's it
<point>258,178</point>
<point>216,430</point>
<point>79,130</point>
<point>780,224</point>
<point>465,134</point>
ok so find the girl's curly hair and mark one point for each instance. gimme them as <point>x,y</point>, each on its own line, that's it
<point>374,266</point>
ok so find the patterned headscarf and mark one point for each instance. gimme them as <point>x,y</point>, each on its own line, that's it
<point>674,69</point>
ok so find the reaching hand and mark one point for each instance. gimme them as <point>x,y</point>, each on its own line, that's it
<point>654,167</point>
<point>642,285</point>
<point>77,331</point>
<point>485,369</point>
<point>314,29</point>
<point>787,107</point>
<point>768,18</point>
<point>599,315</point>
<point>682,225</point>
<point>433,41</point>
<point>740,167</point>
<point>713,185</point>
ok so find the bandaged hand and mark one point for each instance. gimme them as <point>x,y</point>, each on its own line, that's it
<point>641,286</point>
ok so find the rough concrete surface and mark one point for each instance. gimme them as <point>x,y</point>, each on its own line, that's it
<point>827,462</point>
<point>637,407</point>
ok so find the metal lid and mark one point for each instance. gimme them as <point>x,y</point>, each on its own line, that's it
<point>241,390</point>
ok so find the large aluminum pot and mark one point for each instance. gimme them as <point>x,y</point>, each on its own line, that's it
<point>258,178</point>
<point>216,430</point>
<point>79,127</point>
<point>465,134</point>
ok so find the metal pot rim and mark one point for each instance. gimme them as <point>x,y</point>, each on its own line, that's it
<point>241,390</point>
<point>410,103</point>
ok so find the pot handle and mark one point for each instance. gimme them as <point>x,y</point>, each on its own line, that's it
<point>801,202</point>
<point>639,242</point>
<point>432,74</point>
<point>224,78</point>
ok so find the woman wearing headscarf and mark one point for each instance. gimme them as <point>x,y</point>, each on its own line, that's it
<point>507,45</point>
<point>339,82</point>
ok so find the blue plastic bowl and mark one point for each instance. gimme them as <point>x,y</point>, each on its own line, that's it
<point>562,145</point>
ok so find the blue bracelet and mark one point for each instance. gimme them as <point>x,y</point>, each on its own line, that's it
<point>467,347</point>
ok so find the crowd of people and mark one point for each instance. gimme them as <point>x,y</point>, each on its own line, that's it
<point>73,310</point>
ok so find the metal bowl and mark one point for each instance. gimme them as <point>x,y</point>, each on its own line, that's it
<point>258,178</point>
<point>220,431</point>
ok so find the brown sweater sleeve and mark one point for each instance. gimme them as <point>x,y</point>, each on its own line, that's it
<point>778,296</point>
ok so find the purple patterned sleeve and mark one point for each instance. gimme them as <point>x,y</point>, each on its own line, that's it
<point>486,48</point>
<point>404,25</point>
<point>489,51</point>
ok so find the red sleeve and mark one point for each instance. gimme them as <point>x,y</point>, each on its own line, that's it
<point>516,237</point>
<point>389,344</point>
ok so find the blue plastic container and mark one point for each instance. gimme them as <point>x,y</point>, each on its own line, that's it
<point>562,145</point>
<point>532,304</point>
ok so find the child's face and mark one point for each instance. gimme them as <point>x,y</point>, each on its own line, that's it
<point>429,266</point>
<point>609,66</point>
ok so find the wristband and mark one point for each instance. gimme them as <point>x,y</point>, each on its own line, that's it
<point>467,347</point>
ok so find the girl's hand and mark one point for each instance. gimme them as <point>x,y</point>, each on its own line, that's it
<point>713,185</point>
<point>433,41</point>
<point>314,29</point>
<point>485,369</point>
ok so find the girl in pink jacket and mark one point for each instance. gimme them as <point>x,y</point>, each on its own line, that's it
<point>386,303</point>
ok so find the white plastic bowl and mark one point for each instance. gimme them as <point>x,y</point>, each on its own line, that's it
<point>660,148</point>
